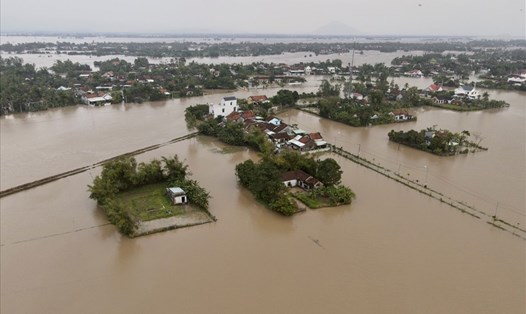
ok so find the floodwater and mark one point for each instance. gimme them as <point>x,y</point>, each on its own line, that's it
<point>369,56</point>
<point>393,250</point>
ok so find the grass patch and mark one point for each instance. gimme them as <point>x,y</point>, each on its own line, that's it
<point>150,202</point>
<point>311,202</point>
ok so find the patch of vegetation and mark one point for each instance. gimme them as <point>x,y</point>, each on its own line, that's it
<point>129,192</point>
<point>232,133</point>
<point>149,202</point>
<point>438,142</point>
<point>264,180</point>
<point>326,196</point>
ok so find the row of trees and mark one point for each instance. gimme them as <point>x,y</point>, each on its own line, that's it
<point>187,49</point>
<point>24,88</point>
<point>125,174</point>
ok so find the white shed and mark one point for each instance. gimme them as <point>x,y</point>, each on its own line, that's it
<point>177,195</point>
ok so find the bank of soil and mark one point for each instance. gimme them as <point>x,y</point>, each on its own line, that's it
<point>192,217</point>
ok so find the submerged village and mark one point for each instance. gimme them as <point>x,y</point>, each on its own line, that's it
<point>295,169</point>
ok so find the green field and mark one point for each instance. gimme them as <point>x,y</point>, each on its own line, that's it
<point>312,203</point>
<point>150,202</point>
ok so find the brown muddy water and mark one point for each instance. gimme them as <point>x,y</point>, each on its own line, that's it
<point>392,251</point>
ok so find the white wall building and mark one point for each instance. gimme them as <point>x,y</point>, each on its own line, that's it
<point>177,195</point>
<point>224,108</point>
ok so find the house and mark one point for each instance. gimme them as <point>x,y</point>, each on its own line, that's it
<point>177,195</point>
<point>318,140</point>
<point>296,72</point>
<point>357,96</point>
<point>467,90</point>
<point>95,99</point>
<point>442,99</point>
<point>224,108</point>
<point>516,79</point>
<point>240,116</point>
<point>400,115</point>
<point>414,73</point>
<point>274,121</point>
<point>279,138</point>
<point>434,88</point>
<point>259,99</point>
<point>301,179</point>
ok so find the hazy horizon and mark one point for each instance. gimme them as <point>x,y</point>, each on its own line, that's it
<point>292,17</point>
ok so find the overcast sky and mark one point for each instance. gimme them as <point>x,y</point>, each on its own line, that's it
<point>371,17</point>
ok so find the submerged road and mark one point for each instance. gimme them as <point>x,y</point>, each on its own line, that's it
<point>459,205</point>
<point>30,185</point>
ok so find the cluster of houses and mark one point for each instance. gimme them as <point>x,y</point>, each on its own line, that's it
<point>282,135</point>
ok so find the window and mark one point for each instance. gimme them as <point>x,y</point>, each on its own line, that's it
<point>223,110</point>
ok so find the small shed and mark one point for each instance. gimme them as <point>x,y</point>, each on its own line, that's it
<point>177,195</point>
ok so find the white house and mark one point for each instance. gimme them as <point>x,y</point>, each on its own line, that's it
<point>301,179</point>
<point>414,73</point>
<point>177,195</point>
<point>467,90</point>
<point>224,108</point>
<point>400,115</point>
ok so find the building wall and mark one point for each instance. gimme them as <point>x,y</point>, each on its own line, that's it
<point>291,183</point>
<point>224,108</point>
<point>180,199</point>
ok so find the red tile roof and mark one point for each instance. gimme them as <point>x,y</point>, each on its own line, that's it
<point>316,136</point>
<point>258,98</point>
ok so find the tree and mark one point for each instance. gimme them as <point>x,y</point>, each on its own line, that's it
<point>141,62</point>
<point>327,89</point>
<point>174,170</point>
<point>328,172</point>
<point>285,98</point>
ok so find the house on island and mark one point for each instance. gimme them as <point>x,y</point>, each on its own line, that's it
<point>299,178</point>
<point>224,108</point>
<point>401,115</point>
<point>177,195</point>
<point>468,91</point>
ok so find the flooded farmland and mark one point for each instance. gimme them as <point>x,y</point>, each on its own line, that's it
<point>392,251</point>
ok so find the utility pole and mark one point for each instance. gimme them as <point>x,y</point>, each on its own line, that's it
<point>496,208</point>
<point>425,181</point>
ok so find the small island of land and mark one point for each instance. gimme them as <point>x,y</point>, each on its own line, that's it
<point>438,142</point>
<point>150,197</point>
<point>273,178</point>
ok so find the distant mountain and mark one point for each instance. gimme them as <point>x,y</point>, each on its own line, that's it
<point>337,28</point>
